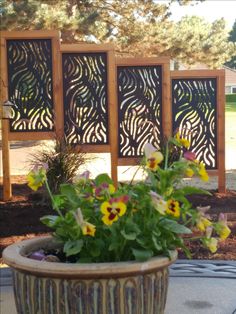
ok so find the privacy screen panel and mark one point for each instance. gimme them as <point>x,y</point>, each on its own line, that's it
<point>194,104</point>
<point>29,63</point>
<point>85,98</point>
<point>139,105</point>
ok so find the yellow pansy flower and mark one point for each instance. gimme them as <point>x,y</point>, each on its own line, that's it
<point>36,178</point>
<point>224,232</point>
<point>182,141</point>
<point>202,172</point>
<point>154,160</point>
<point>173,208</point>
<point>212,243</point>
<point>203,223</point>
<point>88,228</point>
<point>112,210</point>
<point>189,172</point>
<point>222,229</point>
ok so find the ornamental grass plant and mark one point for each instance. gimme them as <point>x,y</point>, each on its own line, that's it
<point>60,161</point>
<point>96,222</point>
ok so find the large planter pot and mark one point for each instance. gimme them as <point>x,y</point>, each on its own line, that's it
<point>103,288</point>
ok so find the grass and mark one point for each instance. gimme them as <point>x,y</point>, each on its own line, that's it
<point>230,107</point>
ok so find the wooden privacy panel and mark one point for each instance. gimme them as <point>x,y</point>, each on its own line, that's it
<point>85,94</point>
<point>139,107</point>
<point>194,107</point>
<point>29,63</point>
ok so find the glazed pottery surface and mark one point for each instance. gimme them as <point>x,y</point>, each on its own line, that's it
<point>42,287</point>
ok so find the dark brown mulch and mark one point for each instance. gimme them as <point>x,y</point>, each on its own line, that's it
<point>20,219</point>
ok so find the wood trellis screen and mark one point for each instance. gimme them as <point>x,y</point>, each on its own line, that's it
<point>198,108</point>
<point>104,104</point>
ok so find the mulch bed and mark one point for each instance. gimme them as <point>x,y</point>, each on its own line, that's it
<point>19,219</point>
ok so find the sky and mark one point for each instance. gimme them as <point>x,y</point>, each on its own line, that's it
<point>209,9</point>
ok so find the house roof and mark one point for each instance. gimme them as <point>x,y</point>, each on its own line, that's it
<point>230,76</point>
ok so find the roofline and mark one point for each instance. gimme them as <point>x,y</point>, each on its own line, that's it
<point>225,67</point>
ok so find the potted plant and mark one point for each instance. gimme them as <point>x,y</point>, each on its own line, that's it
<point>111,248</point>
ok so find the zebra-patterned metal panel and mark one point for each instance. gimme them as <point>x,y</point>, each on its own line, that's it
<point>139,100</point>
<point>194,105</point>
<point>30,84</point>
<point>85,98</point>
<point>137,294</point>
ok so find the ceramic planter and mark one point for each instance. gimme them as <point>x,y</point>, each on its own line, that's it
<point>103,288</point>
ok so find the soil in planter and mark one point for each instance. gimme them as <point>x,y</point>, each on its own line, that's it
<point>20,219</point>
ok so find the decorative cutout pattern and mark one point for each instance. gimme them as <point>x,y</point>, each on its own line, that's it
<point>140,98</point>
<point>85,98</point>
<point>30,84</point>
<point>194,108</point>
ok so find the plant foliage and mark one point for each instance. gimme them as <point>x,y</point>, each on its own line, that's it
<point>96,222</point>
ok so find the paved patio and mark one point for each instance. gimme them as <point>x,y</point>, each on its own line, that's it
<point>196,287</point>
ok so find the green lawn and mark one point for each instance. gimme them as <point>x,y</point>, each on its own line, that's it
<point>230,107</point>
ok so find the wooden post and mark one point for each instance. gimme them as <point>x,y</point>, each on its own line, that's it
<point>166,100</point>
<point>7,191</point>
<point>57,88</point>
<point>221,131</point>
<point>113,114</point>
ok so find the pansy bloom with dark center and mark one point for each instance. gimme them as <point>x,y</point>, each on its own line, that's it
<point>112,210</point>
<point>173,208</point>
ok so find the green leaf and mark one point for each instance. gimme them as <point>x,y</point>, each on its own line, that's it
<point>129,236</point>
<point>142,255</point>
<point>96,247</point>
<point>131,230</point>
<point>156,232</point>
<point>58,201</point>
<point>175,227</point>
<point>103,178</point>
<point>175,142</point>
<point>113,246</point>
<point>50,220</point>
<point>69,192</point>
<point>188,190</point>
<point>73,247</point>
<point>156,243</point>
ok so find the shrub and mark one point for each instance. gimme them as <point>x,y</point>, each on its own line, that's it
<point>231,98</point>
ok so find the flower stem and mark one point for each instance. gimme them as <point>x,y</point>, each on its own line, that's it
<point>52,199</point>
<point>166,155</point>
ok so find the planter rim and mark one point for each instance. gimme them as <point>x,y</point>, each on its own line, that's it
<point>15,257</point>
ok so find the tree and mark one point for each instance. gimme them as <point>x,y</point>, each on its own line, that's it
<point>136,27</point>
<point>232,37</point>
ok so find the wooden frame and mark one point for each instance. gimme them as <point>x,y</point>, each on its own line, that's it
<point>23,136</point>
<point>54,36</point>
<point>111,92</point>
<point>219,75</point>
<point>166,104</point>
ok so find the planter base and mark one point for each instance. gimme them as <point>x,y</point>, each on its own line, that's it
<point>104,288</point>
